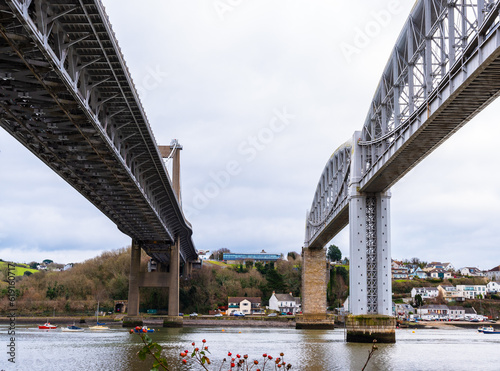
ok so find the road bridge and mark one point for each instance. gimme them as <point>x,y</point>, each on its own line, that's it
<point>442,71</point>
<point>67,95</point>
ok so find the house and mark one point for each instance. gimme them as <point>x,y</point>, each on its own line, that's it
<point>418,272</point>
<point>439,273</point>
<point>204,254</point>
<point>396,264</point>
<point>284,303</point>
<point>400,273</point>
<point>425,292</point>
<point>436,311</point>
<point>471,271</point>
<point>246,305</point>
<point>493,274</point>
<point>455,312</point>
<point>493,287</point>
<point>448,267</point>
<point>472,291</point>
<point>404,310</point>
<point>450,293</point>
<point>68,266</point>
<point>41,267</point>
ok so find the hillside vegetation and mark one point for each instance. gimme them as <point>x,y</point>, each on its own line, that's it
<point>106,278</point>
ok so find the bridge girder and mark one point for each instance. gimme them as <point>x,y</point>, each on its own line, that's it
<point>68,97</point>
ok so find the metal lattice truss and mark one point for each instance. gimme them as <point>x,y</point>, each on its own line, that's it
<point>67,95</point>
<point>371,254</point>
<point>443,70</point>
<point>331,197</point>
<point>435,69</point>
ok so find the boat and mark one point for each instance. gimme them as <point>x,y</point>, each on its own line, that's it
<point>100,326</point>
<point>72,329</point>
<point>490,330</point>
<point>144,329</point>
<point>47,326</point>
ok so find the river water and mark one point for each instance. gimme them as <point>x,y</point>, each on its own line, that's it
<point>316,350</point>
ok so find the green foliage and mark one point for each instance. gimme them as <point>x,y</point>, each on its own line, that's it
<point>337,287</point>
<point>334,253</point>
<point>418,300</point>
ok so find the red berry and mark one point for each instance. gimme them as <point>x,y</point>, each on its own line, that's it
<point>206,348</point>
<point>245,356</point>
<point>232,364</point>
<point>186,351</point>
<point>282,354</point>
<point>264,355</point>
<point>237,355</point>
<point>184,361</point>
<point>270,356</point>
<point>229,354</point>
<point>255,362</point>
<point>233,359</point>
<point>203,341</point>
<point>196,349</point>
<point>192,343</point>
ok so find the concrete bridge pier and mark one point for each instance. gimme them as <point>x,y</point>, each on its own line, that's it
<point>314,282</point>
<point>164,277</point>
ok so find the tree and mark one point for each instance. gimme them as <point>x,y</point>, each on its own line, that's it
<point>418,300</point>
<point>219,254</point>
<point>334,254</point>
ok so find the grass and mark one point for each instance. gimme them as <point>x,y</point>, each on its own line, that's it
<point>19,269</point>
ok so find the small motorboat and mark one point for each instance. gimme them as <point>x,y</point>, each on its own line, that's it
<point>143,329</point>
<point>72,329</point>
<point>47,326</point>
<point>489,330</point>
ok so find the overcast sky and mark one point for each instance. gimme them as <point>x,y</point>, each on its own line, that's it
<point>260,94</point>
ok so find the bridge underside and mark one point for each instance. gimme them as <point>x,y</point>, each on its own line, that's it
<point>66,95</point>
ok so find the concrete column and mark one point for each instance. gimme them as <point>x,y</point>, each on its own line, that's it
<point>173,287</point>
<point>165,152</point>
<point>133,288</point>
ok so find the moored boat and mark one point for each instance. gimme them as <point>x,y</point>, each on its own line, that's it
<point>490,330</point>
<point>72,329</point>
<point>144,329</point>
<point>47,326</point>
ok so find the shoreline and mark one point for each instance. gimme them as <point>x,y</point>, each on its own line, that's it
<point>224,322</point>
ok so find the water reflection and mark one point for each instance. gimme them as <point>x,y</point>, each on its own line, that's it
<point>305,349</point>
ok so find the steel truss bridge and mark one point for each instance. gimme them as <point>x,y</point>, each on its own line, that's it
<point>66,94</point>
<point>443,70</point>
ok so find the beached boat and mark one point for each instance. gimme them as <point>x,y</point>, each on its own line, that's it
<point>72,329</point>
<point>47,326</point>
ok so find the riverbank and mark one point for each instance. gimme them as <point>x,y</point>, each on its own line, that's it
<point>210,321</point>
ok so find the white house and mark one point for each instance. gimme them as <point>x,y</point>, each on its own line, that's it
<point>436,311</point>
<point>471,271</point>
<point>471,291</point>
<point>246,305</point>
<point>456,313</point>
<point>425,292</point>
<point>493,287</point>
<point>68,266</point>
<point>284,303</point>
<point>439,273</point>
<point>493,274</point>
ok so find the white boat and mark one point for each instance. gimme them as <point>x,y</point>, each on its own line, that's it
<point>72,329</point>
<point>99,326</point>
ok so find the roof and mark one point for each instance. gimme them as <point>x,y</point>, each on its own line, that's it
<point>470,311</point>
<point>284,297</point>
<point>239,299</point>
<point>496,269</point>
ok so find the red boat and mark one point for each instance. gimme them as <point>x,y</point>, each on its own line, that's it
<point>47,326</point>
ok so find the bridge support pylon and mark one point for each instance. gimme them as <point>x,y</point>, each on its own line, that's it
<point>370,285</point>
<point>314,282</point>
